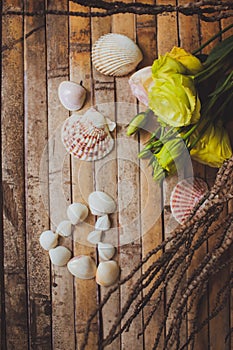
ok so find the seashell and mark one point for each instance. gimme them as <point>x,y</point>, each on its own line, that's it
<point>107,273</point>
<point>82,266</point>
<point>186,194</point>
<point>103,223</point>
<point>48,239</point>
<point>87,136</point>
<point>101,203</point>
<point>140,83</point>
<point>94,237</point>
<point>106,251</point>
<point>115,55</point>
<point>60,255</point>
<point>64,228</point>
<point>71,95</point>
<point>77,212</point>
<point>111,124</point>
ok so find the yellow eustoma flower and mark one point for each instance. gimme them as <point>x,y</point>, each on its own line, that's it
<point>213,148</point>
<point>190,62</point>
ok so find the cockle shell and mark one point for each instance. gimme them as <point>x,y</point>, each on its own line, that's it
<point>106,251</point>
<point>94,237</point>
<point>101,203</point>
<point>115,54</point>
<point>82,266</point>
<point>48,239</point>
<point>64,228</point>
<point>77,212</point>
<point>107,273</point>
<point>87,136</point>
<point>185,195</point>
<point>60,255</point>
<point>103,223</point>
<point>140,83</point>
<point>71,95</point>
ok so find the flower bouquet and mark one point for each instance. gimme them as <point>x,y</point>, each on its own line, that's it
<point>191,98</point>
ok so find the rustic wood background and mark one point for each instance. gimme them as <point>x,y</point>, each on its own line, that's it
<point>43,306</point>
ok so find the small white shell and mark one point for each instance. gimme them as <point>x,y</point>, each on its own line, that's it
<point>140,83</point>
<point>87,136</point>
<point>48,239</point>
<point>106,251</point>
<point>103,223</point>
<point>185,195</point>
<point>64,228</point>
<point>77,212</point>
<point>115,54</point>
<point>107,273</point>
<point>60,255</point>
<point>82,266</point>
<point>101,203</point>
<point>71,95</point>
<point>94,237</point>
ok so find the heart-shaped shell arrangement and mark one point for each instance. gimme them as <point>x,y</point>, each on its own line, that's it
<point>87,137</point>
<point>115,55</point>
<point>185,195</point>
<point>83,266</point>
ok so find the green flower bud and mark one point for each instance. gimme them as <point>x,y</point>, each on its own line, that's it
<point>137,122</point>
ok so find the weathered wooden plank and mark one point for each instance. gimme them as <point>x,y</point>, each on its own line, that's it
<point>59,175</point>
<point>39,295</point>
<point>14,312</point>
<point>151,223</point>
<point>106,168</point>
<point>217,326</point>
<point>128,187</point>
<point>82,178</point>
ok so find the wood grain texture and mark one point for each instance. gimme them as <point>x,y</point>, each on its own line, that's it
<point>82,179</point>
<point>14,315</point>
<point>38,266</point>
<point>63,316</point>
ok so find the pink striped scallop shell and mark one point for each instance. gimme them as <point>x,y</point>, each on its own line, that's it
<point>184,197</point>
<point>87,136</point>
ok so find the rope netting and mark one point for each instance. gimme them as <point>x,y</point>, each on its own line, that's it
<point>208,10</point>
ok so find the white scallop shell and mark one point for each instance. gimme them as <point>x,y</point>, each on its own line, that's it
<point>185,195</point>
<point>87,136</point>
<point>103,223</point>
<point>82,266</point>
<point>48,239</point>
<point>94,237</point>
<point>71,95</point>
<point>106,251</point>
<point>101,203</point>
<point>60,255</point>
<point>107,273</point>
<point>64,228</point>
<point>115,54</point>
<point>77,212</point>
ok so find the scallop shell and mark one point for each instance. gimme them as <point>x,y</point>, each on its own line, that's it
<point>82,266</point>
<point>87,136</point>
<point>106,251</point>
<point>64,228</point>
<point>94,237</point>
<point>77,212</point>
<point>115,55</point>
<point>186,194</point>
<point>48,239</point>
<point>101,203</point>
<point>107,273</point>
<point>60,255</point>
<point>103,223</point>
<point>71,95</point>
